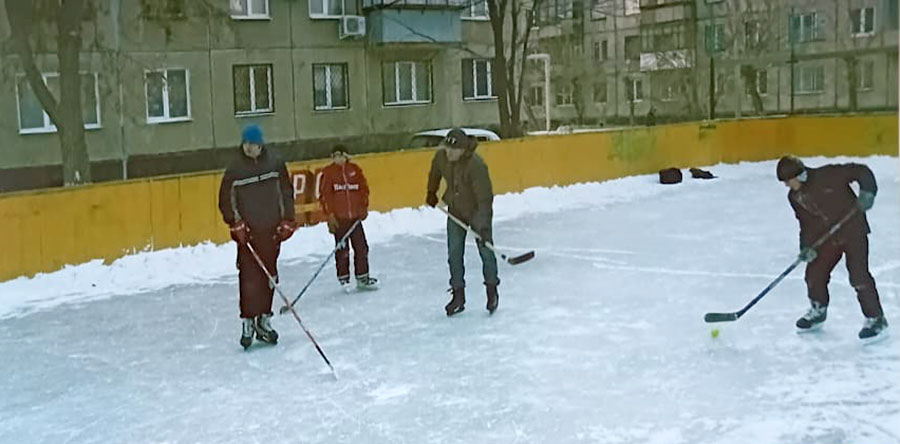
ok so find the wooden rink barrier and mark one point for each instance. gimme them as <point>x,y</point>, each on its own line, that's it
<point>47,229</point>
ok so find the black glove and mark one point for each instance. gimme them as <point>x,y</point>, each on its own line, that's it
<point>431,199</point>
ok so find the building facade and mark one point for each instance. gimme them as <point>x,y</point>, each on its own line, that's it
<point>615,60</point>
<point>168,84</point>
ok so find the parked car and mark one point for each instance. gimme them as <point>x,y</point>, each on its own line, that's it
<point>433,138</point>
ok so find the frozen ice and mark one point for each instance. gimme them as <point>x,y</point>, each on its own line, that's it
<point>599,339</point>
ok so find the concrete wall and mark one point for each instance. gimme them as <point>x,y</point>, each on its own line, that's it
<point>48,229</point>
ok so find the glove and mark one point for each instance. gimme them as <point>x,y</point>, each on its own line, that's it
<point>808,255</point>
<point>284,231</point>
<point>866,200</point>
<point>431,199</point>
<point>240,232</point>
<point>332,224</point>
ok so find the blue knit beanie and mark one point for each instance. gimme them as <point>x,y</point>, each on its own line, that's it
<point>252,134</point>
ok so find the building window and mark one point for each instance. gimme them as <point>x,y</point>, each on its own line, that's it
<point>537,95</point>
<point>330,86</point>
<point>720,84</point>
<point>33,118</point>
<point>759,82</point>
<point>406,83</point>
<point>715,38</point>
<point>326,8</point>
<point>635,92</point>
<point>601,50</point>
<point>252,89</point>
<point>752,37</point>
<point>478,82</point>
<point>865,75</point>
<point>599,9</point>
<point>564,95</point>
<point>600,93</point>
<point>632,7</point>
<point>250,9</point>
<point>476,10</point>
<point>892,14</point>
<point>862,22</point>
<point>168,94</point>
<point>810,79</point>
<point>807,27</point>
<point>633,47</point>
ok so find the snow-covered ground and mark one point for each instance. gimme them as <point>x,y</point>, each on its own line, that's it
<point>599,339</point>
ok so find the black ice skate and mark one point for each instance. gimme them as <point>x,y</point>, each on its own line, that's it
<point>813,318</point>
<point>247,332</point>
<point>873,328</point>
<point>264,330</point>
<point>493,298</point>
<point>458,303</point>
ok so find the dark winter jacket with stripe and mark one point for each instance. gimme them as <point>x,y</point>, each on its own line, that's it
<point>469,195</point>
<point>826,197</point>
<point>257,191</point>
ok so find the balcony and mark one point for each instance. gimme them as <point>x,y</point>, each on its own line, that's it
<point>662,60</point>
<point>414,21</point>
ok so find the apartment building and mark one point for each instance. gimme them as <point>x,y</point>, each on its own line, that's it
<point>167,84</point>
<point>689,59</point>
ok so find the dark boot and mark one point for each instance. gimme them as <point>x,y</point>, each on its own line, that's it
<point>493,298</point>
<point>264,330</point>
<point>247,332</point>
<point>873,327</point>
<point>813,318</point>
<point>458,303</point>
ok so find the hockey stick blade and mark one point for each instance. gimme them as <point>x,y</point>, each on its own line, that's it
<point>720,317</point>
<point>521,258</point>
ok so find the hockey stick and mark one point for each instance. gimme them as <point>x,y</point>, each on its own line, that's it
<point>511,260</point>
<point>727,317</point>
<point>285,308</point>
<point>284,298</point>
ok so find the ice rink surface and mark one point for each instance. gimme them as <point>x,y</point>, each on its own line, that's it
<point>599,339</point>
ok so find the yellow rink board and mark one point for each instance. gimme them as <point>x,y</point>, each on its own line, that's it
<point>46,230</point>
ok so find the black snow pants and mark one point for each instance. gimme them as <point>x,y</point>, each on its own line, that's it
<point>856,250</point>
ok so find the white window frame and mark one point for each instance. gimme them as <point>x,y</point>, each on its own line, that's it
<point>490,81</point>
<point>565,92</point>
<point>752,35</point>
<point>859,26</point>
<point>166,111</point>
<point>805,34</point>
<point>250,15</point>
<point>598,87</point>
<point>49,127</point>
<point>758,82</point>
<point>802,72</point>
<point>252,91</point>
<point>537,95</point>
<point>469,12</point>
<point>413,87</point>
<point>329,94</point>
<point>862,66</point>
<point>637,88</point>
<point>632,7</point>
<point>325,7</point>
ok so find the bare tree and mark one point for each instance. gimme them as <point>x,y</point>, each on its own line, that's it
<point>511,25</point>
<point>27,18</point>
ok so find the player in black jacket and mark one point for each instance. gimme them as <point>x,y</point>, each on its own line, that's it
<point>256,199</point>
<point>821,197</point>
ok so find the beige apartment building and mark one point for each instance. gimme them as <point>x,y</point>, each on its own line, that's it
<point>692,59</point>
<point>168,84</point>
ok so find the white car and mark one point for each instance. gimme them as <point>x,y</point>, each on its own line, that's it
<point>433,138</point>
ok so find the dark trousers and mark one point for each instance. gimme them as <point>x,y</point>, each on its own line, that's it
<point>456,248</point>
<point>856,250</point>
<point>256,293</point>
<point>360,250</point>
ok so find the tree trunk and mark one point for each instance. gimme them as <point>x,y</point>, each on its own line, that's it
<point>76,164</point>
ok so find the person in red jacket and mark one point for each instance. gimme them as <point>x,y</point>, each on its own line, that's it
<point>344,196</point>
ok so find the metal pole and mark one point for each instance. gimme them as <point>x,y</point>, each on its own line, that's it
<point>547,91</point>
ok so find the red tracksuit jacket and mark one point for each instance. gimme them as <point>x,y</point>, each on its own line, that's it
<point>343,191</point>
